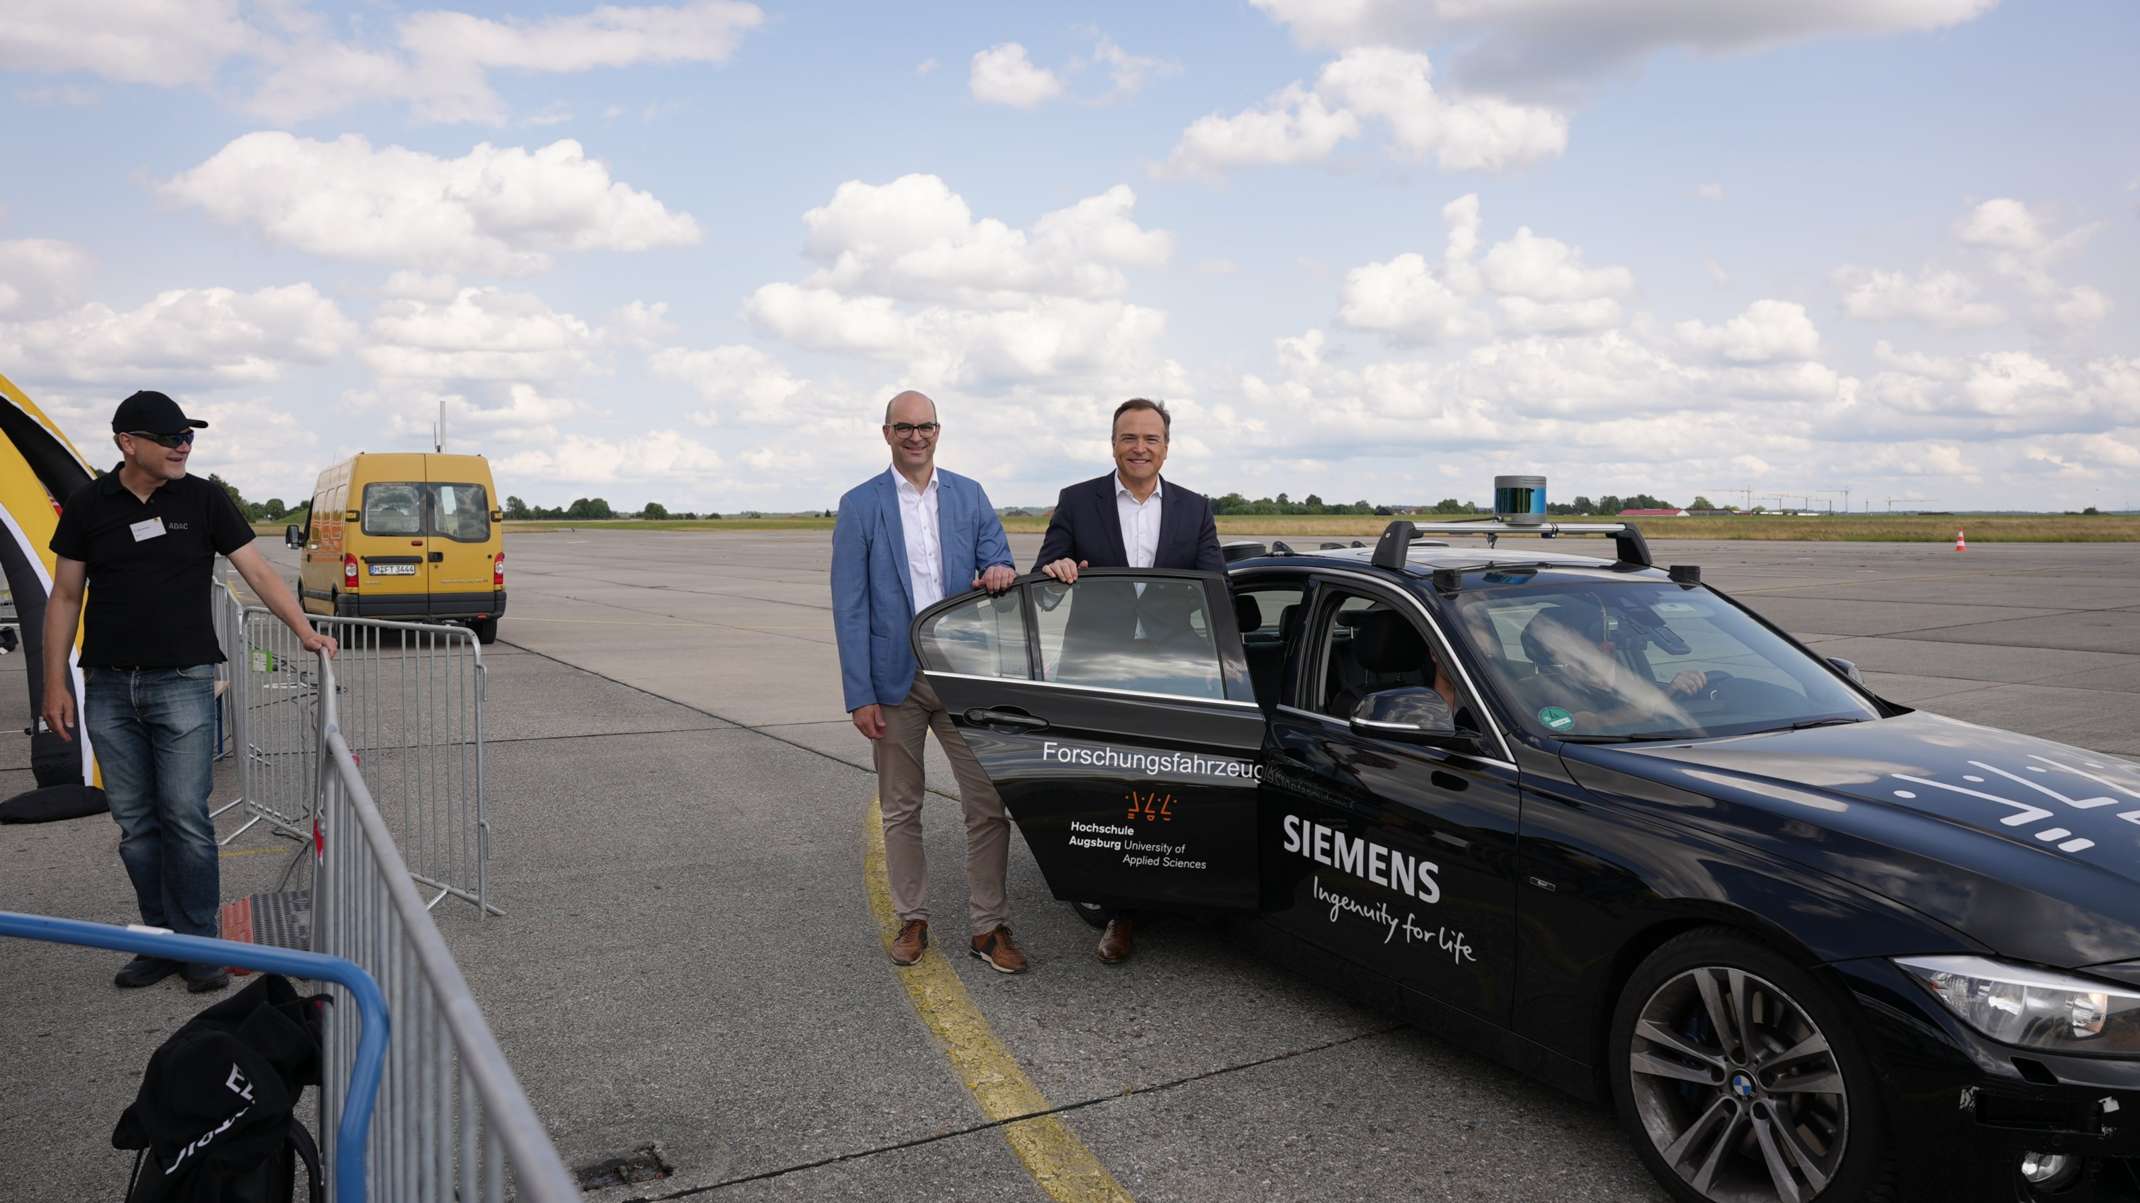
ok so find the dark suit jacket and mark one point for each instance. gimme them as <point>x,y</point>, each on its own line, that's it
<point>1087,528</point>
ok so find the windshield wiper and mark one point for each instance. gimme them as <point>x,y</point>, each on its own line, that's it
<point>1807,724</point>
<point>1638,737</point>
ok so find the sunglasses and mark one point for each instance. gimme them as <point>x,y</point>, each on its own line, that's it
<point>180,439</point>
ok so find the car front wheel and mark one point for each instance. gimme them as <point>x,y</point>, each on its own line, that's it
<point>1741,1077</point>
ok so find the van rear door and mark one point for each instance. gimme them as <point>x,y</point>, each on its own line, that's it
<point>458,551</point>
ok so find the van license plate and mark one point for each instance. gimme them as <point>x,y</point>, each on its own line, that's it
<point>392,569</point>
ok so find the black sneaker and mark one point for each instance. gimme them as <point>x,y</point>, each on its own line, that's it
<point>205,979</point>
<point>144,971</point>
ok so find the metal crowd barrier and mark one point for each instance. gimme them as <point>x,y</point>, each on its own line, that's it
<point>452,1122</point>
<point>411,696</point>
<point>358,1079</point>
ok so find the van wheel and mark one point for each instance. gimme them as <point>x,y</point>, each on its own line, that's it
<point>486,630</point>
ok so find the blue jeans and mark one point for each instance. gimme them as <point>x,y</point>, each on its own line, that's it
<point>154,735</point>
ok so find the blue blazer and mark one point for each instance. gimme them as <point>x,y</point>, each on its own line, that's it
<point>872,591</point>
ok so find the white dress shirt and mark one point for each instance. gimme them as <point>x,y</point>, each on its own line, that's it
<point>1140,523</point>
<point>917,521</point>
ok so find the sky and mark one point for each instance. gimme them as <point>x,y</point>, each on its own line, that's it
<point>1365,249</point>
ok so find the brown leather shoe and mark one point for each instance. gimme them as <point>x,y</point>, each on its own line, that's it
<point>912,938</point>
<point>1115,941</point>
<point>996,948</point>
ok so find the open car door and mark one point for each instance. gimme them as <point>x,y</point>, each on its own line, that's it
<point>1117,720</point>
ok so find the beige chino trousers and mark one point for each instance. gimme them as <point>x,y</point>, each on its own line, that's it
<point>900,787</point>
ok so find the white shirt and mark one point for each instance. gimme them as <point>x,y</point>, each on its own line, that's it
<point>917,520</point>
<point>1140,523</point>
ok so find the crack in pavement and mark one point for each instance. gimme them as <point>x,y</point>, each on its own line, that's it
<point>1080,1105</point>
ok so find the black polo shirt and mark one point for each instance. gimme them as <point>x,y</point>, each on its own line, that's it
<point>151,566</point>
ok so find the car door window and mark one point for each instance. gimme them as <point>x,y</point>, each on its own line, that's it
<point>982,637</point>
<point>460,512</point>
<point>1367,645</point>
<point>395,508</point>
<point>1152,636</point>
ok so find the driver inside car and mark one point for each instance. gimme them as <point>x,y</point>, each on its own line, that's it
<point>1580,670</point>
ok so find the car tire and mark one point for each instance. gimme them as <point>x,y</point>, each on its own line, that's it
<point>486,630</point>
<point>1094,915</point>
<point>1704,1110</point>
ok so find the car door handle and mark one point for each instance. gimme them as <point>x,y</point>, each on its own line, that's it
<point>1018,719</point>
<point>437,557</point>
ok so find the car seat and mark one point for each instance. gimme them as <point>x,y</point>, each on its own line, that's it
<point>1386,652</point>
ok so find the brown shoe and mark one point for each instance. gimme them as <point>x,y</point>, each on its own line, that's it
<point>996,948</point>
<point>912,938</point>
<point>1115,941</point>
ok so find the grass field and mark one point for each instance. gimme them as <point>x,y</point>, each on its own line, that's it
<point>1854,528</point>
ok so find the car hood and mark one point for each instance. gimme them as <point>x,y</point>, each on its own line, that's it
<point>2028,846</point>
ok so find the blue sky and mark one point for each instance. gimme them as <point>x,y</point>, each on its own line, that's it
<point>1379,249</point>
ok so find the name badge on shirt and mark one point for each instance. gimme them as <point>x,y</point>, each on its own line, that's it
<point>145,531</point>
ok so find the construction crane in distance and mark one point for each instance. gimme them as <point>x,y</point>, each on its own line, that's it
<point>1905,500</point>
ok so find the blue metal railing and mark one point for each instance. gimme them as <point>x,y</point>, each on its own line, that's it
<point>373,1022</point>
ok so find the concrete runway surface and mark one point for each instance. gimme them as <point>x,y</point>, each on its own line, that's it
<point>690,959</point>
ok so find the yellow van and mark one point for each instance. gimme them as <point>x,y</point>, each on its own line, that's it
<point>412,536</point>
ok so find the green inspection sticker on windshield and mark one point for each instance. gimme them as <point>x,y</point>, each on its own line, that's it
<point>1556,718</point>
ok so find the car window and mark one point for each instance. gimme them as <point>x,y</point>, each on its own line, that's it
<point>460,512</point>
<point>1643,658</point>
<point>983,637</point>
<point>1154,636</point>
<point>1267,615</point>
<point>1368,645</point>
<point>394,508</point>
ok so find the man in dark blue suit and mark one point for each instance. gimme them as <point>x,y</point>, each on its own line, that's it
<point>1131,518</point>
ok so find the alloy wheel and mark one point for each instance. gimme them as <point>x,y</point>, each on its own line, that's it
<point>1738,1089</point>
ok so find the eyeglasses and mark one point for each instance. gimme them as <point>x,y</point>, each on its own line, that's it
<point>181,439</point>
<point>924,429</point>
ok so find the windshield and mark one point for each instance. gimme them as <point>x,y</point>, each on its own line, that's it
<point>1611,660</point>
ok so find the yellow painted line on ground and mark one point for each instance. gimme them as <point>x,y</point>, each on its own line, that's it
<point>1059,1162</point>
<point>269,850</point>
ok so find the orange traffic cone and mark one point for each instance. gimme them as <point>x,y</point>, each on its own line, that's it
<point>1960,543</point>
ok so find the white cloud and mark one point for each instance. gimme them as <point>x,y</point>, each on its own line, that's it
<point>1473,133</point>
<point>2014,382</point>
<point>1530,40</point>
<point>1405,299</point>
<point>639,324</point>
<point>442,63</point>
<point>916,238</point>
<point>1392,87</point>
<point>1941,298</point>
<point>1002,74</point>
<point>2082,306</point>
<point>183,42</point>
<point>481,334</point>
<point>658,455</point>
<point>39,276</point>
<point>523,413</point>
<point>1768,332</point>
<point>423,286</point>
<point>927,66</point>
<point>739,383</point>
<point>193,336</point>
<point>1711,191</point>
<point>1127,72</point>
<point>2002,224</point>
<point>494,209</point>
<point>825,319</point>
<point>1293,126</point>
<point>1546,269</point>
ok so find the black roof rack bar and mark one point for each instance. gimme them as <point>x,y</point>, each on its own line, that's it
<point>1395,546</point>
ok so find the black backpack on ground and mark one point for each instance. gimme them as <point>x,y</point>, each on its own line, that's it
<point>215,1117</point>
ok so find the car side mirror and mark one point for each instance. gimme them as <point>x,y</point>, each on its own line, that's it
<point>293,536</point>
<point>1848,668</point>
<point>1414,714</point>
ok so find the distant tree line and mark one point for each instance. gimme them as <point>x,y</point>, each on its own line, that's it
<point>271,510</point>
<point>1234,503</point>
<point>589,508</point>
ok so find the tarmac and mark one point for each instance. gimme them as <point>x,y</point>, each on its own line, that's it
<point>689,958</point>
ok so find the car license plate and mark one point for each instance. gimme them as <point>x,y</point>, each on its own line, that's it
<point>392,569</point>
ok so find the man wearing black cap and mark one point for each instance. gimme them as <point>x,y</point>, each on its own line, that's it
<point>146,536</point>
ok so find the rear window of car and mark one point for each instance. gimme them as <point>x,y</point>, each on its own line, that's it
<point>460,512</point>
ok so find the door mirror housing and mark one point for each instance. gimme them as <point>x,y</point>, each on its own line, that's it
<point>293,536</point>
<point>1414,714</point>
<point>1848,668</point>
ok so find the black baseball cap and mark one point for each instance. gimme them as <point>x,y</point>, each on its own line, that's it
<point>152,413</point>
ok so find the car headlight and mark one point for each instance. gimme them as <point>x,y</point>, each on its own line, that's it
<point>2036,1008</point>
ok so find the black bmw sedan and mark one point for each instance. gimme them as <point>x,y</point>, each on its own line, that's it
<point>1600,821</point>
